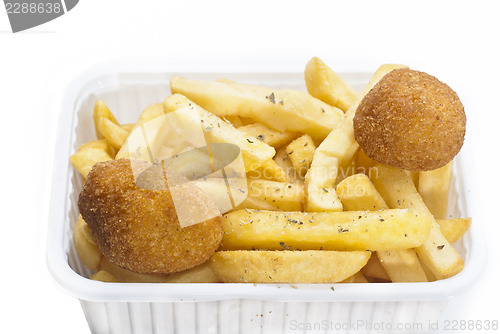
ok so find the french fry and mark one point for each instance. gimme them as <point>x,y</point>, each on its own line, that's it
<point>269,170</point>
<point>199,274</point>
<point>324,84</point>
<point>234,120</point>
<point>254,151</point>
<point>348,230</point>
<point>256,204</point>
<point>99,145</point>
<point>281,158</point>
<point>338,148</point>
<point>88,252</point>
<point>363,162</point>
<point>454,229</point>
<point>433,186</point>
<point>285,196</point>
<point>398,191</point>
<point>147,115</point>
<point>113,132</point>
<point>127,127</point>
<point>102,110</point>
<point>374,269</point>
<point>88,155</point>
<point>104,276</point>
<point>359,278</point>
<point>269,136</point>
<point>282,110</point>
<point>301,152</point>
<point>286,266</point>
<point>400,265</point>
<point>357,193</point>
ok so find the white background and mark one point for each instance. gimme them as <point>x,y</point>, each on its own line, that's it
<point>455,41</point>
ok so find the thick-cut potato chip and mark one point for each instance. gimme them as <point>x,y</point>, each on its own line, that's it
<point>279,109</point>
<point>323,83</point>
<point>348,230</point>
<point>398,191</point>
<point>286,266</point>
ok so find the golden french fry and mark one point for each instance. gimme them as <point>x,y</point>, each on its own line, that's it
<point>374,269</point>
<point>454,229</point>
<point>358,193</point>
<point>100,145</point>
<point>402,265</point>
<point>414,176</point>
<point>104,276</point>
<point>291,175</point>
<point>269,170</point>
<point>287,266</point>
<point>428,273</point>
<point>359,278</point>
<point>113,133</point>
<point>127,127</point>
<point>348,230</point>
<point>324,84</point>
<point>285,196</point>
<point>433,186</point>
<point>398,191</point>
<point>147,115</point>
<point>150,112</point>
<point>87,156</point>
<point>199,274</point>
<point>254,151</point>
<point>89,253</point>
<point>269,136</point>
<point>279,109</point>
<point>363,162</point>
<point>256,204</point>
<point>128,276</point>
<point>301,152</point>
<point>338,148</point>
<point>102,110</point>
<point>234,120</point>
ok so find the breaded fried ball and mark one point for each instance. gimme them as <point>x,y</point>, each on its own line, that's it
<point>410,120</point>
<point>136,227</point>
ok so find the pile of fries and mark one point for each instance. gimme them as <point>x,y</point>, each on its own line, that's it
<point>317,209</point>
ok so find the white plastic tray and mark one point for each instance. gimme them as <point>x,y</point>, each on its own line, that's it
<point>223,308</point>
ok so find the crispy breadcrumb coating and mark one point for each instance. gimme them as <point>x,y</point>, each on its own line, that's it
<point>138,228</point>
<point>410,120</point>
